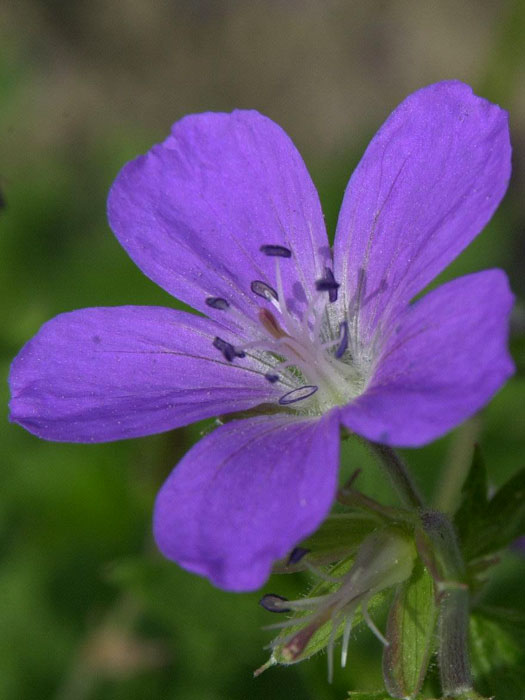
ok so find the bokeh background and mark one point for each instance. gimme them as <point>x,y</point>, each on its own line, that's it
<point>88,610</point>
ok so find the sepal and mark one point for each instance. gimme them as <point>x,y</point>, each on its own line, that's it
<point>344,597</point>
<point>411,634</point>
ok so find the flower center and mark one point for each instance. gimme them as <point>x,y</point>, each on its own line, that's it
<point>313,355</point>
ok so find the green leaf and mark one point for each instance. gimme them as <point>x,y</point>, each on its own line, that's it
<point>487,526</point>
<point>497,651</point>
<point>469,695</point>
<point>410,632</point>
<point>380,695</point>
<point>473,506</point>
<point>506,512</point>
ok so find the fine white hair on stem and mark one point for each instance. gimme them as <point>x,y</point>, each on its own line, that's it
<point>346,639</point>
<point>336,620</point>
<point>370,622</point>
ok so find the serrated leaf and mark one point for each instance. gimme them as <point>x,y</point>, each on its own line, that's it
<point>487,526</point>
<point>410,632</point>
<point>497,655</point>
<point>506,512</point>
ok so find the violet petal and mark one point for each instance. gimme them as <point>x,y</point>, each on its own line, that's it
<point>112,373</point>
<point>428,183</point>
<point>246,494</point>
<point>447,359</point>
<point>194,211</point>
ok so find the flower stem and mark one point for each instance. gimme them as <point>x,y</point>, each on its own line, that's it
<point>454,601</point>
<point>399,475</point>
<point>454,664</point>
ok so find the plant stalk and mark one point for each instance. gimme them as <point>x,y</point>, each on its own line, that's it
<point>399,475</point>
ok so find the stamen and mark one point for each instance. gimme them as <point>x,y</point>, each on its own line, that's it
<point>274,603</point>
<point>328,284</point>
<point>276,251</point>
<point>227,349</point>
<point>263,290</point>
<point>272,378</point>
<point>296,555</point>
<point>303,392</point>
<point>217,303</point>
<point>343,332</point>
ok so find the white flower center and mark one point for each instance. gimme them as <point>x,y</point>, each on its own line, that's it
<point>316,358</point>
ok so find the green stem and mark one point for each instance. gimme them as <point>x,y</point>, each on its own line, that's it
<point>457,465</point>
<point>399,475</point>
<point>454,664</point>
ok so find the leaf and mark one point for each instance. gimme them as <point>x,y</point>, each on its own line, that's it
<point>380,695</point>
<point>410,632</point>
<point>506,512</point>
<point>487,526</point>
<point>498,654</point>
<point>468,695</point>
<point>474,500</point>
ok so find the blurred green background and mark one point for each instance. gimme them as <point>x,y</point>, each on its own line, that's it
<point>88,610</point>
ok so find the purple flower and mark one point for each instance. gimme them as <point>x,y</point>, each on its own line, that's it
<point>224,216</point>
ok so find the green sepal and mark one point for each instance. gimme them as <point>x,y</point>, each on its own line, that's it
<point>321,636</point>
<point>339,537</point>
<point>410,632</point>
<point>385,558</point>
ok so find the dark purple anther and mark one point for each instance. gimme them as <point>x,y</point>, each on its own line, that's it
<point>272,378</point>
<point>263,290</point>
<point>227,349</point>
<point>217,303</point>
<point>296,555</point>
<point>274,603</point>
<point>328,284</point>
<point>276,251</point>
<point>343,332</point>
<point>303,392</point>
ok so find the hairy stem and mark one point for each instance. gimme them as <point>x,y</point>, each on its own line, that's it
<point>454,601</point>
<point>454,664</point>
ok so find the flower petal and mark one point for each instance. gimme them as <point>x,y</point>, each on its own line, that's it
<point>112,373</point>
<point>429,181</point>
<point>193,212</point>
<point>445,360</point>
<point>246,494</point>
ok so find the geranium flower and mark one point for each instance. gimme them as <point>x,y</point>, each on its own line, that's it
<point>224,216</point>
